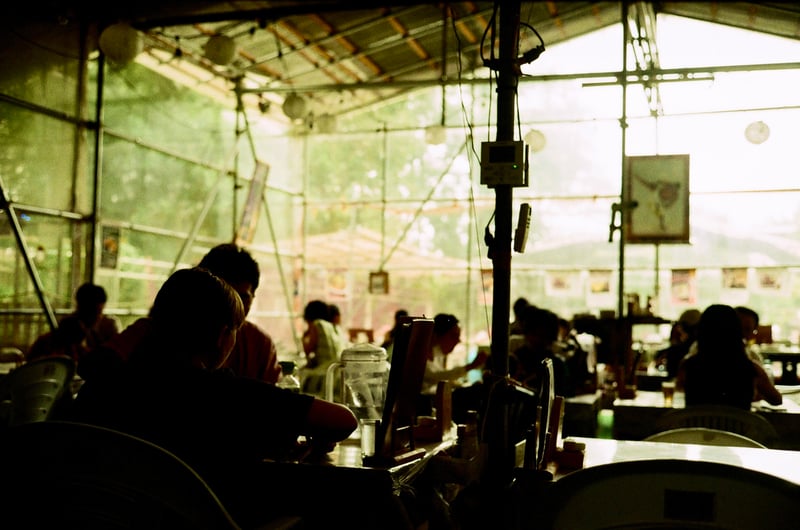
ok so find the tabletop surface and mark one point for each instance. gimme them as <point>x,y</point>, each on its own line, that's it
<point>654,399</point>
<point>777,462</point>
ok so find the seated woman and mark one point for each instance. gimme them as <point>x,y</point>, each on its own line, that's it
<point>322,346</point>
<point>224,426</point>
<point>720,372</point>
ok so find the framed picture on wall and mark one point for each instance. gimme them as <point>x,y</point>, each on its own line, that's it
<point>656,191</point>
<point>379,282</point>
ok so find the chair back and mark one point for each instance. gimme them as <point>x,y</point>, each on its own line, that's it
<point>686,494</point>
<point>723,418</point>
<point>703,436</point>
<point>73,475</point>
<point>36,386</point>
<point>547,395</point>
<point>10,358</point>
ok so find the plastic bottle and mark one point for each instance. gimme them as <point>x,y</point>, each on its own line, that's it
<point>288,379</point>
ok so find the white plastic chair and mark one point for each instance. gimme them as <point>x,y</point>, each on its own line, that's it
<point>720,417</point>
<point>649,494</point>
<point>36,386</point>
<point>703,436</point>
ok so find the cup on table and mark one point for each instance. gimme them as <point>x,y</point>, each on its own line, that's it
<point>668,389</point>
<point>368,429</point>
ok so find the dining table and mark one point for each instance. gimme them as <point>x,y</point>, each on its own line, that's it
<point>598,451</point>
<point>787,359</point>
<point>338,488</point>
<point>635,418</point>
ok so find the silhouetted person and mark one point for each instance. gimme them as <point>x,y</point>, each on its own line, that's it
<point>254,354</point>
<point>719,372</point>
<point>682,336</point>
<point>172,393</point>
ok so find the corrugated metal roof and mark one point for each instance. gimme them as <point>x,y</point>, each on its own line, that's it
<point>375,50</point>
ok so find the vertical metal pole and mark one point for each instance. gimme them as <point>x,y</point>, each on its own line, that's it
<point>624,212</point>
<point>240,118</point>
<point>507,80</point>
<point>97,170</point>
<point>500,465</point>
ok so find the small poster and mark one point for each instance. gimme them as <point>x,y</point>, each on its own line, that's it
<point>599,281</point>
<point>772,279</point>
<point>247,228</point>
<point>734,278</point>
<point>599,289</point>
<point>684,286</point>
<point>563,283</point>
<point>109,253</point>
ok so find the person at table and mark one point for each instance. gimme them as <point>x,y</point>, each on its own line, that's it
<point>68,339</point>
<point>335,318</point>
<point>80,332</point>
<point>682,336</point>
<point>90,304</point>
<point>540,332</point>
<point>171,392</point>
<point>446,336</point>
<point>750,321</point>
<point>322,346</point>
<point>720,372</point>
<point>388,340</point>
<point>576,358</point>
<point>516,336</point>
<point>254,354</point>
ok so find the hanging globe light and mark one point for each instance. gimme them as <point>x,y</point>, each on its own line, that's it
<point>536,140</point>
<point>120,43</point>
<point>435,134</point>
<point>757,132</point>
<point>294,106</point>
<point>220,49</point>
<point>326,123</point>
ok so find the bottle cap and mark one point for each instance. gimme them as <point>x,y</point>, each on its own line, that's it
<point>287,367</point>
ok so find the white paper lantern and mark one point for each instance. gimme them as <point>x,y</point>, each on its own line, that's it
<point>435,134</point>
<point>220,49</point>
<point>757,132</point>
<point>120,43</point>
<point>294,106</point>
<point>536,140</point>
<point>326,123</point>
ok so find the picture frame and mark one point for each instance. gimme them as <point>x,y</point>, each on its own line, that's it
<point>109,250</point>
<point>379,282</point>
<point>656,190</point>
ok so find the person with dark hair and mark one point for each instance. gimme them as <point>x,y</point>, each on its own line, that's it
<point>90,303</point>
<point>682,338</point>
<point>69,339</point>
<point>750,320</point>
<point>388,341</point>
<point>540,330</point>
<point>446,336</point>
<point>719,372</point>
<point>81,331</point>
<point>515,328</point>
<point>321,345</point>
<point>335,318</point>
<point>171,392</point>
<point>254,354</point>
